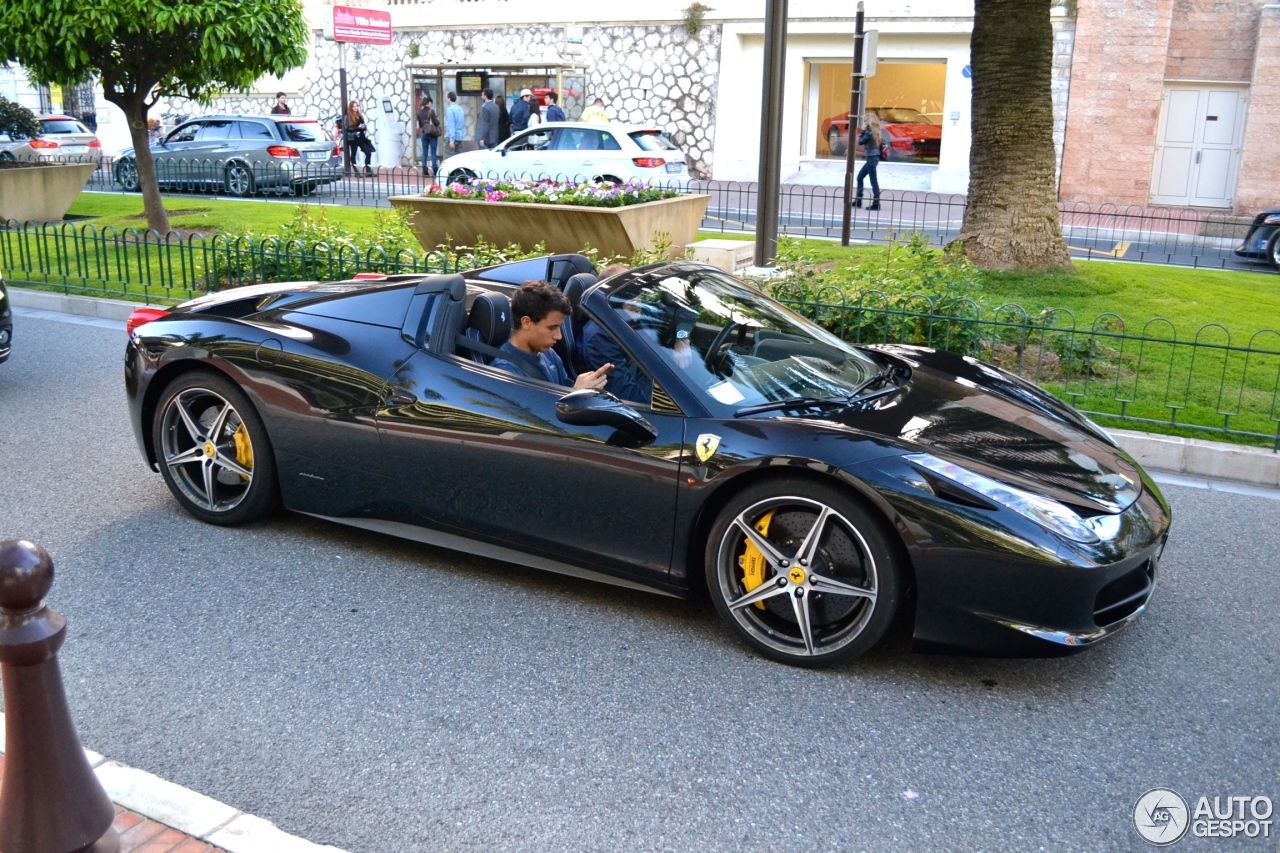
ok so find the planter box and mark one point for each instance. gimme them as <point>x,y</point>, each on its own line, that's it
<point>562,227</point>
<point>41,193</point>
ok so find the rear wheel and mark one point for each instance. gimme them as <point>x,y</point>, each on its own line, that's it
<point>239,180</point>
<point>214,451</point>
<point>460,176</point>
<point>1273,250</point>
<point>607,179</point>
<point>7,156</point>
<point>127,175</point>
<point>802,572</point>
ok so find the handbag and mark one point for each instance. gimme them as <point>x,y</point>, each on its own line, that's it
<point>885,151</point>
<point>433,127</point>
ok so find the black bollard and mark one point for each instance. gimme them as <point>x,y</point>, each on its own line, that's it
<point>51,801</point>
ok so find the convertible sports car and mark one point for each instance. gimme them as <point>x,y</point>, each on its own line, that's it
<point>813,488</point>
<point>1263,239</point>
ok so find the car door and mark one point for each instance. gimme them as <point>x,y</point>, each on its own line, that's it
<point>480,452</point>
<point>578,151</point>
<point>218,139</point>
<point>172,155</point>
<point>526,154</point>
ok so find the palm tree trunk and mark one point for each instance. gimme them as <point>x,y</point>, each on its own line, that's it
<point>1011,216</point>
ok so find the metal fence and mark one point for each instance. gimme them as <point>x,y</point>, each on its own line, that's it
<point>1206,382</point>
<point>1172,236</point>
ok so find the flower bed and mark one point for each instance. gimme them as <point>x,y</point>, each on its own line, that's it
<point>547,191</point>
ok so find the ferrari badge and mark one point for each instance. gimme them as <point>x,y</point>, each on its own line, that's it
<point>706,446</point>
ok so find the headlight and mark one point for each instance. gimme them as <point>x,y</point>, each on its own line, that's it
<point>1044,511</point>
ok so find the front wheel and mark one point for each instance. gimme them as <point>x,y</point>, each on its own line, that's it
<point>239,180</point>
<point>460,176</point>
<point>802,572</point>
<point>127,175</point>
<point>1273,250</point>
<point>214,451</point>
<point>834,141</point>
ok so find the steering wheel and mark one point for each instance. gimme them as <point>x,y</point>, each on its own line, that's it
<point>714,359</point>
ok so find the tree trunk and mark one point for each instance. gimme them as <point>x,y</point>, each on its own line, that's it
<point>1011,215</point>
<point>135,111</point>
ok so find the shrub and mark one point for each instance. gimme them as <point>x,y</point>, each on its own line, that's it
<point>16,121</point>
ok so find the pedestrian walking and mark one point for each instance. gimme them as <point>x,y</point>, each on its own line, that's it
<point>595,113</point>
<point>281,107</point>
<point>871,138</point>
<point>554,113</point>
<point>355,130</point>
<point>520,112</point>
<point>504,120</point>
<point>455,124</point>
<point>535,113</point>
<point>429,130</point>
<point>487,121</point>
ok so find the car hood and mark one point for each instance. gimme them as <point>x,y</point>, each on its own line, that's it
<point>998,425</point>
<point>919,131</point>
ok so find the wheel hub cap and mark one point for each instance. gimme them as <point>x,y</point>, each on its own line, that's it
<point>797,575</point>
<point>210,450</point>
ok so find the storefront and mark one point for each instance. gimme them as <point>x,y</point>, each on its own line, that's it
<point>907,96</point>
<point>436,80</point>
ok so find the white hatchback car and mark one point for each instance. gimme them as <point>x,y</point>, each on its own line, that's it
<point>575,151</point>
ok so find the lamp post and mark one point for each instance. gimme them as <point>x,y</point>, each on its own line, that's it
<point>855,115</point>
<point>770,176</point>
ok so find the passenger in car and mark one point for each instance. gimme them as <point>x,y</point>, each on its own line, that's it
<point>663,328</point>
<point>538,309</point>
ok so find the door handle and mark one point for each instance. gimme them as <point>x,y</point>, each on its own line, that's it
<point>401,397</point>
<point>1197,158</point>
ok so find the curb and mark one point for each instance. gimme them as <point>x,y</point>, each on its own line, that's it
<point>195,814</point>
<point>1193,457</point>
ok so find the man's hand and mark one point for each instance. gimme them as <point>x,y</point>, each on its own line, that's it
<point>683,353</point>
<point>594,380</point>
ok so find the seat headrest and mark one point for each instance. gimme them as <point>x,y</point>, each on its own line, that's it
<point>490,318</point>
<point>576,286</point>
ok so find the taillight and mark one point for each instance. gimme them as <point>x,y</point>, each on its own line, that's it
<point>648,162</point>
<point>282,151</point>
<point>337,152</point>
<point>142,316</point>
<point>93,143</point>
<point>41,143</point>
<point>368,276</point>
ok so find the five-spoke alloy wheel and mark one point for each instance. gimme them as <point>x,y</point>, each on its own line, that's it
<point>127,175</point>
<point>803,572</point>
<point>213,451</point>
<point>239,180</point>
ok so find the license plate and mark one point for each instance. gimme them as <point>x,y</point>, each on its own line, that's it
<point>317,155</point>
<point>75,149</point>
<point>675,167</point>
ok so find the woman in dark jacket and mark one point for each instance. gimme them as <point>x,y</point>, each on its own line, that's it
<point>355,130</point>
<point>504,120</point>
<point>870,139</point>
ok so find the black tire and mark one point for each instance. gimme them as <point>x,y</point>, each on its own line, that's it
<point>833,141</point>
<point>7,156</point>
<point>238,180</point>
<point>607,179</point>
<point>848,588</point>
<point>460,176</point>
<point>1273,250</point>
<point>127,175</point>
<point>207,483</point>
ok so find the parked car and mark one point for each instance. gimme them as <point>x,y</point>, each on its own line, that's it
<point>910,132</point>
<point>813,488</point>
<point>240,155</point>
<point>575,150</point>
<point>6,323</point>
<point>1263,239</point>
<point>62,139</point>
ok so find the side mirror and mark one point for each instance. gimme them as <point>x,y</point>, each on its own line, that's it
<point>600,408</point>
<point>503,151</point>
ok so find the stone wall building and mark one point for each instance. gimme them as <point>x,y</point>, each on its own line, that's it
<point>1175,103</point>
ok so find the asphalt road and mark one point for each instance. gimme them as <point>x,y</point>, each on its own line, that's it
<point>387,696</point>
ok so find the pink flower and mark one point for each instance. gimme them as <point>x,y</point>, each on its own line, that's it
<point>496,195</point>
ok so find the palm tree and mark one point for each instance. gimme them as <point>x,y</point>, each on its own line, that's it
<point>1011,216</point>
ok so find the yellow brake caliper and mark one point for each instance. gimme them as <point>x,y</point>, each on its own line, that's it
<point>752,561</point>
<point>244,450</point>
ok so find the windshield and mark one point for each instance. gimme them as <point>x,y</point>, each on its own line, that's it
<point>735,345</point>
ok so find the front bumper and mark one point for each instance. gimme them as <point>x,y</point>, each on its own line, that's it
<point>1257,241</point>
<point>994,582</point>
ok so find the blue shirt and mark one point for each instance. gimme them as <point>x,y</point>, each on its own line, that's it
<point>549,363</point>
<point>519,115</point>
<point>554,113</point>
<point>454,122</point>
<point>626,381</point>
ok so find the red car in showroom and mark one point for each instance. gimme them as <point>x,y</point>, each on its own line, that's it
<point>911,134</point>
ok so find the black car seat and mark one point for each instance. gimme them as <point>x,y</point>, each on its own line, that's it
<point>489,323</point>
<point>571,330</point>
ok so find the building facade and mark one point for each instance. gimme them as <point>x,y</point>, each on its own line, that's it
<point>1174,103</point>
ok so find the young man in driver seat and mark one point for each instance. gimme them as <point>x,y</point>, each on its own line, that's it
<point>538,309</point>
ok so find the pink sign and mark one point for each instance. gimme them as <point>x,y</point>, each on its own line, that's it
<point>365,26</point>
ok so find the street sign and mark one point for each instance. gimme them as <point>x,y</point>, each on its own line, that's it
<point>573,40</point>
<point>361,26</point>
<point>870,46</point>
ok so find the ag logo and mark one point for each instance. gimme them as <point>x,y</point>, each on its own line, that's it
<point>1161,816</point>
<point>706,446</point>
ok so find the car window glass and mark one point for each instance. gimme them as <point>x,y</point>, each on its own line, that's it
<point>301,131</point>
<point>586,139</point>
<point>186,133</point>
<point>254,130</point>
<point>52,126</point>
<point>652,140</point>
<point>534,140</point>
<point>218,129</point>
<point>628,380</point>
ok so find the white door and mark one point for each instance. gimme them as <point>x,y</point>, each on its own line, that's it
<point>1198,152</point>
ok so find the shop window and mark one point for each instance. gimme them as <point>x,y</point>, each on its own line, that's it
<point>908,97</point>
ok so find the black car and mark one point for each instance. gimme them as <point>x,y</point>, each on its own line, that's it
<point>814,488</point>
<point>1263,239</point>
<point>6,324</point>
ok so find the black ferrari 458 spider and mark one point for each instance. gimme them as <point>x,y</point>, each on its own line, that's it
<point>813,488</point>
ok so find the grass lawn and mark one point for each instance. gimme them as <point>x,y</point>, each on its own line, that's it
<point>192,212</point>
